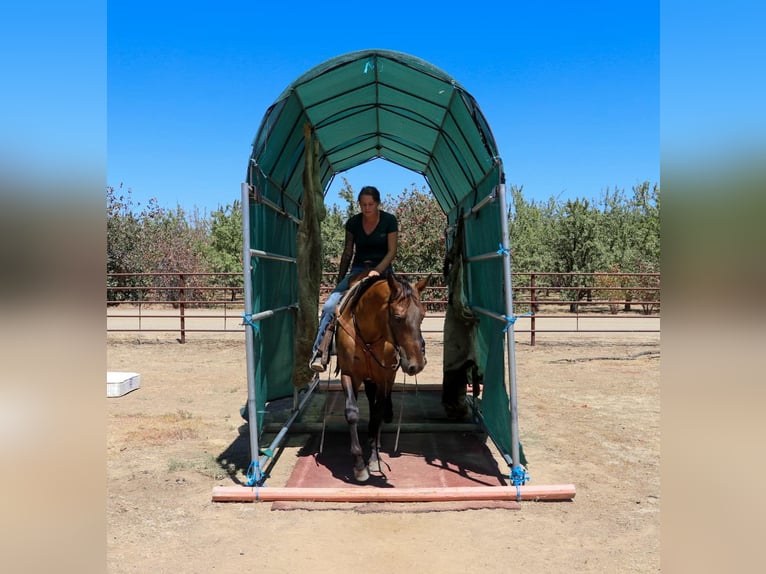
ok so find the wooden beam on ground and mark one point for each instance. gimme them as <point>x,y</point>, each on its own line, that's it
<point>372,494</point>
<point>338,426</point>
<point>334,385</point>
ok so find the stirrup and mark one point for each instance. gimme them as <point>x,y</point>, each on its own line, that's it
<point>321,357</point>
<point>316,363</point>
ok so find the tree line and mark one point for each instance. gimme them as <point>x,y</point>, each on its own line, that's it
<point>618,233</point>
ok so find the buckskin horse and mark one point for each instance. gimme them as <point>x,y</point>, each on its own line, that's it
<point>379,333</point>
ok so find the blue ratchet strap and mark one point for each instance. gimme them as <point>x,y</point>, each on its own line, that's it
<point>508,322</point>
<point>252,474</point>
<point>511,320</point>
<point>519,477</point>
<point>247,319</point>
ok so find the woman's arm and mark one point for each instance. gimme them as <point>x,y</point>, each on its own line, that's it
<point>345,258</point>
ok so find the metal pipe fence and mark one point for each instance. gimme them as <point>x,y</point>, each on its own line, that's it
<point>543,302</point>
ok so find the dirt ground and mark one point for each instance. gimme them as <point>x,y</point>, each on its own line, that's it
<point>589,415</point>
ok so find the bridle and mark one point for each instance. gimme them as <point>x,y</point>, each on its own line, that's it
<point>368,346</point>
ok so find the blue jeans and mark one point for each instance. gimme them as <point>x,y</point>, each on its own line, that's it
<point>328,310</point>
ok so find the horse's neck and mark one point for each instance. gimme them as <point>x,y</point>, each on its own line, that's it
<point>374,308</point>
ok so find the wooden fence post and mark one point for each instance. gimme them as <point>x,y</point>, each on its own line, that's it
<point>181,300</point>
<point>533,308</point>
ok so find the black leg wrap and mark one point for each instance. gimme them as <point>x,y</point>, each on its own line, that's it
<point>453,392</point>
<point>388,412</point>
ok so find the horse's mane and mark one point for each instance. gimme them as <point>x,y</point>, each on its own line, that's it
<point>358,290</point>
<point>406,288</point>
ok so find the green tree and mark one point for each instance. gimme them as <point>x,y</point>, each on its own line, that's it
<point>334,233</point>
<point>530,232</point>
<point>224,250</point>
<point>615,236</point>
<point>333,238</point>
<point>346,193</point>
<point>174,243</point>
<point>153,240</point>
<point>646,204</point>
<point>574,247</point>
<point>573,243</point>
<point>421,232</point>
<point>628,235</point>
<point>121,232</point>
<point>225,247</point>
<point>123,255</point>
<point>628,238</point>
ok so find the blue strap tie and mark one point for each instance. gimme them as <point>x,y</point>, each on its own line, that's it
<point>511,320</point>
<point>253,473</point>
<point>247,319</point>
<point>502,250</point>
<point>519,477</point>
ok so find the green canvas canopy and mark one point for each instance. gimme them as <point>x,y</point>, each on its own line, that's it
<point>378,104</point>
<point>355,108</point>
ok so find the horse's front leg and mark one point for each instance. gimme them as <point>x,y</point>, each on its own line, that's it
<point>361,474</point>
<point>378,409</point>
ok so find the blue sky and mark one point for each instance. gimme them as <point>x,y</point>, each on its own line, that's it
<point>570,90</point>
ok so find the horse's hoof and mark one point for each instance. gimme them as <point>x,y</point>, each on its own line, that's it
<point>374,465</point>
<point>362,475</point>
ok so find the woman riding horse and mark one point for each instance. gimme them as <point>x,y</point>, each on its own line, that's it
<point>371,239</point>
<point>379,333</point>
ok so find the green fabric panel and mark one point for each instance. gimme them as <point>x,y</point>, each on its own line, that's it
<point>485,290</point>
<point>324,112</point>
<point>494,404</point>
<point>274,286</point>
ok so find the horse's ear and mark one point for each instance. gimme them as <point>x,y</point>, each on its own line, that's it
<point>393,284</point>
<point>420,285</point>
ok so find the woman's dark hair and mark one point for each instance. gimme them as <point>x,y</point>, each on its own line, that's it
<point>371,191</point>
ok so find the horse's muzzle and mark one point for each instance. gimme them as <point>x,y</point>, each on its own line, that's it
<point>413,368</point>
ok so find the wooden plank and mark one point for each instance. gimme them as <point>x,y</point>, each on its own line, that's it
<point>373,494</point>
<point>339,426</point>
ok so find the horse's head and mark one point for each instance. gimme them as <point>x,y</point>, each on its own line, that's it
<point>405,315</point>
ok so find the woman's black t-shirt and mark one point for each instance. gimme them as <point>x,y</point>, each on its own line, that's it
<point>372,247</point>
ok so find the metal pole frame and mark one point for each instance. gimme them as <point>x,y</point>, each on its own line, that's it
<point>518,475</point>
<point>255,473</point>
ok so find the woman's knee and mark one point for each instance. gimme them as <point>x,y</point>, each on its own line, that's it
<point>331,303</point>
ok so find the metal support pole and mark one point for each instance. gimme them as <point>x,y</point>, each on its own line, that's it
<point>252,408</point>
<point>483,257</point>
<point>297,412</point>
<point>491,197</point>
<point>509,334</point>
<point>274,256</point>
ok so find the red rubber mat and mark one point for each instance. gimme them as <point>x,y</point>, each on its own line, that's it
<point>440,459</point>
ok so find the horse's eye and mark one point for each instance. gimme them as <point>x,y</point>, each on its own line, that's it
<point>398,318</point>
